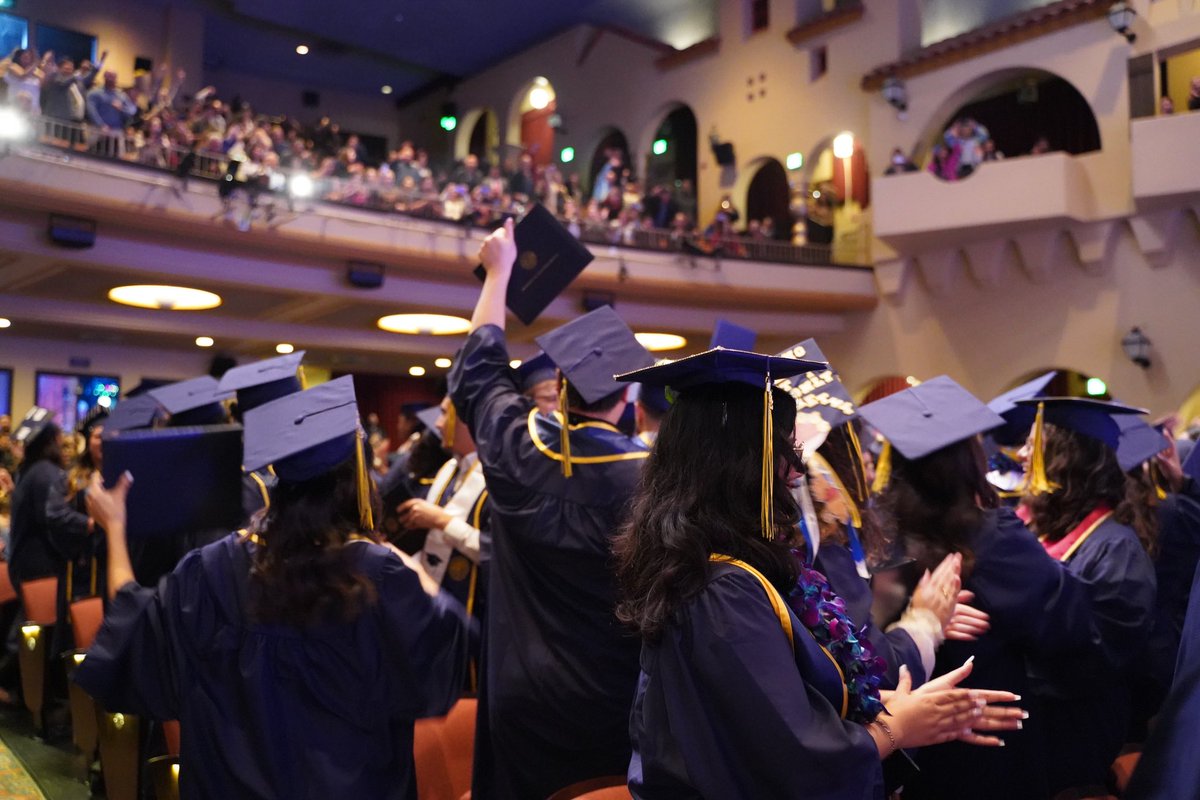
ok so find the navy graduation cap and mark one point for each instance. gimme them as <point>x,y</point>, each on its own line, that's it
<point>719,366</point>
<point>196,401</point>
<point>732,337</point>
<point>264,381</point>
<point>592,349</point>
<point>1137,441</point>
<point>33,424</point>
<point>1092,418</point>
<point>534,371</point>
<point>818,391</point>
<point>928,417</point>
<point>548,259</point>
<point>131,413</point>
<point>1018,418</point>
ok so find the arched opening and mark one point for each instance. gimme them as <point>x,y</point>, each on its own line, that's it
<point>1015,112</point>
<point>611,153</point>
<point>533,118</point>
<point>671,159</point>
<point>484,139</point>
<point>1067,383</point>
<point>834,194</point>
<point>768,202</point>
<point>884,386</point>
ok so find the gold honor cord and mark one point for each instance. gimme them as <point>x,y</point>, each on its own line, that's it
<point>883,468</point>
<point>767,518</point>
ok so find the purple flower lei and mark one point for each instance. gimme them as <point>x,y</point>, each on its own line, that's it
<point>824,614</point>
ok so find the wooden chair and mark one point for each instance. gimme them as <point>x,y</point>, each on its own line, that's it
<point>7,592</point>
<point>163,772</point>
<point>1123,768</point>
<point>119,744</point>
<point>611,787</point>
<point>443,751</point>
<point>40,600</point>
<point>85,617</point>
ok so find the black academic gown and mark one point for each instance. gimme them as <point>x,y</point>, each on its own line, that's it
<point>1038,610</point>
<point>1168,768</point>
<point>559,669</point>
<point>271,711</point>
<point>727,709</point>
<point>1085,700</point>
<point>895,647</point>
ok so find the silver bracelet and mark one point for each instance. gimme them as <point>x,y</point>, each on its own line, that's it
<point>888,730</point>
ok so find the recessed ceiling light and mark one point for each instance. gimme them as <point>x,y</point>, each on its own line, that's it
<point>660,341</point>
<point>516,362</point>
<point>424,324</point>
<point>5,322</point>
<point>385,89</point>
<point>171,298</point>
<point>301,49</point>
<point>283,348</point>
<point>204,341</point>
<point>416,372</point>
<point>442,363</point>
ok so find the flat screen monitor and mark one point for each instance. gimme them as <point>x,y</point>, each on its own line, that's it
<point>71,395</point>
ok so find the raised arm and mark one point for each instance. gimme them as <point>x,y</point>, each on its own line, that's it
<point>107,507</point>
<point>498,253</point>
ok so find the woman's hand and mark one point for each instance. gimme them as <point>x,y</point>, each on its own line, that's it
<point>937,592</point>
<point>416,514</point>
<point>498,252</point>
<point>968,623</point>
<point>993,718</point>
<point>107,506</point>
<point>430,586</point>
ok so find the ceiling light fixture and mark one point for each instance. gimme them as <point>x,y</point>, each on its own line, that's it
<point>539,97</point>
<point>170,298</point>
<point>301,49</point>
<point>442,363</point>
<point>424,324</point>
<point>516,362</point>
<point>385,89</point>
<point>5,322</point>
<point>655,342</point>
<point>204,341</point>
<point>283,348</point>
<point>416,371</point>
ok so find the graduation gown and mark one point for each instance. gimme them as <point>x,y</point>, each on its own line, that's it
<point>728,709</point>
<point>1174,569</point>
<point>1085,700</point>
<point>895,647</point>
<point>559,669</point>
<point>272,711</point>
<point>1038,610</point>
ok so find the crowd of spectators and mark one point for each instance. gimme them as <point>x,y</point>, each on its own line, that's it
<point>256,155</point>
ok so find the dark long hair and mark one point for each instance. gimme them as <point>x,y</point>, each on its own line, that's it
<point>302,571</point>
<point>838,451</point>
<point>1087,473</point>
<point>701,493</point>
<point>46,446</point>
<point>934,503</point>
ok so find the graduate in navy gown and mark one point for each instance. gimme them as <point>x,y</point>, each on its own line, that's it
<point>939,501</point>
<point>559,672</point>
<point>738,697</point>
<point>1080,507</point>
<point>295,656</point>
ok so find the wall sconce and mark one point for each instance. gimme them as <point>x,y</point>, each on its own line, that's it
<point>1120,17</point>
<point>896,93</point>
<point>1137,347</point>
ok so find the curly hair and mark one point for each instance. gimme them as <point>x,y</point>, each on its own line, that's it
<point>302,571</point>
<point>700,493</point>
<point>1087,474</point>
<point>934,503</point>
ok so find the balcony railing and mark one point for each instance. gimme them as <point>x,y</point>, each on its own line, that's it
<point>260,183</point>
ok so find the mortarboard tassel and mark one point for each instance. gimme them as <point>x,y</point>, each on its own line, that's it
<point>1036,481</point>
<point>768,466</point>
<point>565,434</point>
<point>860,467</point>
<point>1156,481</point>
<point>302,377</point>
<point>451,424</point>
<point>883,468</point>
<point>366,520</point>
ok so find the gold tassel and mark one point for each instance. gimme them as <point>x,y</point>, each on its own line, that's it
<point>860,467</point>
<point>450,425</point>
<point>302,377</point>
<point>565,434</point>
<point>1156,481</point>
<point>1036,481</point>
<point>366,519</point>
<point>883,468</point>
<point>767,519</point>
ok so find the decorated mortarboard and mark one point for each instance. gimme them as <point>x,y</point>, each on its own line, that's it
<point>1093,418</point>
<point>719,366</point>
<point>196,401</point>
<point>264,381</point>
<point>186,479</point>
<point>819,391</point>
<point>536,370</point>
<point>32,425</point>
<point>732,337</point>
<point>132,413</point>
<point>429,417</point>
<point>1137,441</point>
<point>1018,418</point>
<point>925,418</point>
<point>307,434</point>
<point>548,259</point>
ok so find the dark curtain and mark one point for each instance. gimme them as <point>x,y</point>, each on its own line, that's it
<point>1054,110</point>
<point>386,394</point>
<point>769,196</point>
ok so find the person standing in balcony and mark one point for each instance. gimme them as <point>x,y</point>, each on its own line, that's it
<point>1194,95</point>
<point>24,76</point>
<point>109,108</point>
<point>65,90</point>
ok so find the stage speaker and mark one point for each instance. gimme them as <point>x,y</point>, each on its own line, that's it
<point>364,274</point>
<point>723,153</point>
<point>74,232</point>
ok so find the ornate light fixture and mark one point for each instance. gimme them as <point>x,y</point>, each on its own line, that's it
<point>1137,347</point>
<point>1120,17</point>
<point>896,93</point>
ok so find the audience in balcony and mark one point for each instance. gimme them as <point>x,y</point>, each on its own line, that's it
<point>64,91</point>
<point>108,107</point>
<point>944,160</point>
<point>900,163</point>
<point>1041,146</point>
<point>968,137</point>
<point>24,75</point>
<point>1166,106</point>
<point>1194,95</point>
